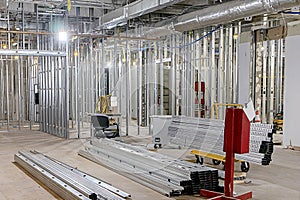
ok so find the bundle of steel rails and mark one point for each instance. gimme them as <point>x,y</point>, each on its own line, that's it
<point>169,176</point>
<point>66,181</point>
<point>208,135</point>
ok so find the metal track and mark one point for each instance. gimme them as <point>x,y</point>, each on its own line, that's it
<point>69,177</point>
<point>207,135</point>
<point>166,175</point>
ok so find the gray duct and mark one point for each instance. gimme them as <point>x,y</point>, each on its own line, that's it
<point>230,11</point>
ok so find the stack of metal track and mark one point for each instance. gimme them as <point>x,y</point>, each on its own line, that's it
<point>166,175</point>
<point>66,181</point>
<point>208,135</point>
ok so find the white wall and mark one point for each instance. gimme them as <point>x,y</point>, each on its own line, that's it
<point>291,135</point>
<point>244,72</point>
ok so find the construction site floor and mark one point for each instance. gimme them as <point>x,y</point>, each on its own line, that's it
<point>280,180</point>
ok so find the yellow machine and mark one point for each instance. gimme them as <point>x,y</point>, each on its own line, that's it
<point>215,108</point>
<point>278,121</point>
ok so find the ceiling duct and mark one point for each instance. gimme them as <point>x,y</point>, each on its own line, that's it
<point>230,11</point>
<point>133,10</point>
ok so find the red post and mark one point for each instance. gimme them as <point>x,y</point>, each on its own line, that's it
<point>236,140</point>
<point>228,148</point>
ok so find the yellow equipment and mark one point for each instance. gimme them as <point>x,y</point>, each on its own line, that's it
<point>278,121</point>
<point>215,108</point>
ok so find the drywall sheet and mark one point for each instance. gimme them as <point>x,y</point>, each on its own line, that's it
<point>244,72</point>
<point>291,135</point>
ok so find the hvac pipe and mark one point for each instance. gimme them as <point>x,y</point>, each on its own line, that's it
<point>230,11</point>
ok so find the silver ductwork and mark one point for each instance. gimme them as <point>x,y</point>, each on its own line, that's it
<point>230,11</point>
<point>132,10</point>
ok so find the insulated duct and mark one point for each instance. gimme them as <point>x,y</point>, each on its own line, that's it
<point>132,10</point>
<point>230,11</point>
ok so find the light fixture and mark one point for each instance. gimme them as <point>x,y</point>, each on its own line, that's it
<point>63,36</point>
<point>75,53</point>
<point>235,36</point>
<point>4,46</point>
<point>16,57</point>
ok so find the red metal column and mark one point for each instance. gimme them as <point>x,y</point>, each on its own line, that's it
<point>228,147</point>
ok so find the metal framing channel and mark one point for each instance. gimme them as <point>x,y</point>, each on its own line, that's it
<point>155,81</point>
<point>161,48</point>
<point>139,85</point>
<point>213,68</point>
<point>127,83</point>
<point>2,90</point>
<point>173,74</point>
<point>204,73</point>
<point>264,102</point>
<point>271,81</point>
<point>230,68</point>
<point>221,72</point>
<point>279,67</point>
<point>183,81</point>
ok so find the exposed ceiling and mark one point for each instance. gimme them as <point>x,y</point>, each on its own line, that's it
<point>108,15</point>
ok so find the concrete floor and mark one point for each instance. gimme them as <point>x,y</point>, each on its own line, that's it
<point>280,180</point>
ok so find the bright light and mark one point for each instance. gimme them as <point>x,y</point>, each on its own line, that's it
<point>235,36</point>
<point>75,53</point>
<point>63,36</point>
